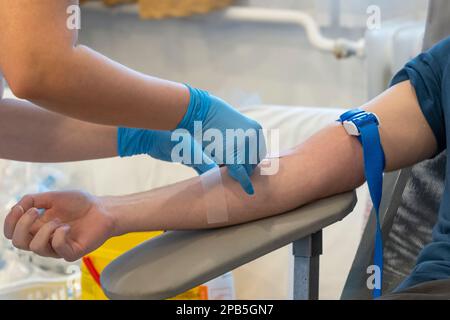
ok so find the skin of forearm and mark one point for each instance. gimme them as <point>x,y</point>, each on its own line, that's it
<point>29,133</point>
<point>110,93</point>
<point>329,163</point>
<point>43,63</point>
<point>305,174</point>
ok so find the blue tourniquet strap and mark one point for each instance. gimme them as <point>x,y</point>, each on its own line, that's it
<point>374,164</point>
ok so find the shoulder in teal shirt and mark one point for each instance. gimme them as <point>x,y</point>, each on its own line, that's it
<point>429,74</point>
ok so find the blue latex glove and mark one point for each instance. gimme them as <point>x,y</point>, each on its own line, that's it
<point>159,145</point>
<point>214,113</point>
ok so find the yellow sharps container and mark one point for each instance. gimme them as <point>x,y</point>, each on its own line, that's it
<point>95,262</point>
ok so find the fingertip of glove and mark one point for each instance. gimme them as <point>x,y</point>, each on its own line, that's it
<point>249,190</point>
<point>239,173</point>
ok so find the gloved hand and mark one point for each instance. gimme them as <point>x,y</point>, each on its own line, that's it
<point>241,156</point>
<point>159,145</point>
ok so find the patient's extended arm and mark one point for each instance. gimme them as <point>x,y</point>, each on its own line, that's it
<point>329,163</point>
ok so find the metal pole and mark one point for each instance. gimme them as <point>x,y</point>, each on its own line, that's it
<point>307,253</point>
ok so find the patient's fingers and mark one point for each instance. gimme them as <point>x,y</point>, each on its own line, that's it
<point>22,236</point>
<point>61,245</point>
<point>43,200</point>
<point>26,203</point>
<point>39,200</point>
<point>11,220</point>
<point>41,243</point>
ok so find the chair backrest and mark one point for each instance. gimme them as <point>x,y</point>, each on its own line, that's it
<point>411,200</point>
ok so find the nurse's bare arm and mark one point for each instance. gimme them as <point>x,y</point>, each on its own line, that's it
<point>43,63</point>
<point>29,133</point>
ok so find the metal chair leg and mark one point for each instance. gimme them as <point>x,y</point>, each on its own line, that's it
<point>307,253</point>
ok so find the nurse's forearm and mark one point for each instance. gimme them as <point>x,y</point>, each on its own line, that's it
<point>29,133</point>
<point>110,93</point>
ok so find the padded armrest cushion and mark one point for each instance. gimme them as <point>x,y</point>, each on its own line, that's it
<point>177,261</point>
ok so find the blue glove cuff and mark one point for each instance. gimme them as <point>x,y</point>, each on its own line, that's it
<point>199,104</point>
<point>120,147</point>
<point>132,142</point>
<point>123,138</point>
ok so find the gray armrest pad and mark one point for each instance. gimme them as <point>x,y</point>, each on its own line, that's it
<point>177,261</point>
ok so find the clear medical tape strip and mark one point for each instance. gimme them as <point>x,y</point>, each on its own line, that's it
<point>216,207</point>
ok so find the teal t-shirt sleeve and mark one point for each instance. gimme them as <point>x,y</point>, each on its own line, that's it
<point>427,73</point>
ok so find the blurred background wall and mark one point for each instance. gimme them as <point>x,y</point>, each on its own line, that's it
<point>243,62</point>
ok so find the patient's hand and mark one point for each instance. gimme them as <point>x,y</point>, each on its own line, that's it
<point>72,225</point>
